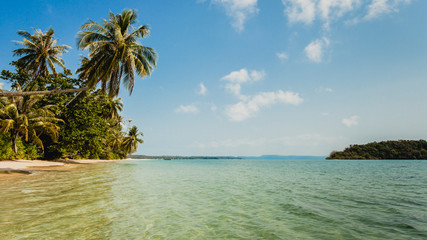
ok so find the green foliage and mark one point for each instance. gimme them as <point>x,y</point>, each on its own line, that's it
<point>18,78</point>
<point>39,52</point>
<point>402,149</point>
<point>130,142</point>
<point>25,150</point>
<point>114,52</point>
<point>48,126</point>
<point>91,126</point>
<point>23,119</point>
<point>86,133</point>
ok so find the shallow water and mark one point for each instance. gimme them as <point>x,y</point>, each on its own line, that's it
<point>219,199</point>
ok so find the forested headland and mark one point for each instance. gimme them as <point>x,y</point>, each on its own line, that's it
<point>401,149</point>
<point>51,114</point>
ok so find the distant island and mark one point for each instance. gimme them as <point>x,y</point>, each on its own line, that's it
<point>182,157</point>
<point>401,149</point>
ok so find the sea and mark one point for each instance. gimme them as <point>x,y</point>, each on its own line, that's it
<point>219,199</point>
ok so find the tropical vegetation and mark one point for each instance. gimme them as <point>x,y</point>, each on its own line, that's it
<point>401,149</point>
<point>114,52</point>
<point>50,114</point>
<point>40,52</point>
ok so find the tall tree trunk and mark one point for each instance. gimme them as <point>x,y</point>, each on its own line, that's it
<point>15,148</point>
<point>74,98</point>
<point>35,76</point>
<point>27,93</point>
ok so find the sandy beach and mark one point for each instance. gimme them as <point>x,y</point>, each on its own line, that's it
<point>22,167</point>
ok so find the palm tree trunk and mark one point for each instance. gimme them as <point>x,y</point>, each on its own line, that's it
<point>35,76</point>
<point>27,93</point>
<point>15,148</point>
<point>74,98</point>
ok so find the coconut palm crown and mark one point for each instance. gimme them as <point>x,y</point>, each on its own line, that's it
<point>40,52</point>
<point>114,52</point>
<point>130,142</point>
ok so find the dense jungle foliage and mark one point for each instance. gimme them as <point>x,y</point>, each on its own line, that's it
<point>49,114</point>
<point>401,149</point>
<point>89,127</point>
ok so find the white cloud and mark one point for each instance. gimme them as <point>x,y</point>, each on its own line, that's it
<point>236,78</point>
<point>315,50</point>
<point>282,56</point>
<point>300,10</point>
<point>203,90</point>
<point>1,85</point>
<point>377,8</point>
<point>324,89</point>
<point>351,121</point>
<point>335,9</point>
<point>233,88</point>
<point>214,108</point>
<point>248,106</point>
<point>243,76</point>
<point>381,7</point>
<point>238,10</point>
<point>251,105</point>
<point>327,11</point>
<point>187,109</point>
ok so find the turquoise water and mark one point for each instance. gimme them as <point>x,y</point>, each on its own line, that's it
<point>219,199</point>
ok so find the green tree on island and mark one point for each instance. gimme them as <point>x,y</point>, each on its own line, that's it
<point>114,52</point>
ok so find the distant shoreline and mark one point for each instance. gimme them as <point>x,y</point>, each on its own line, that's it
<point>230,157</point>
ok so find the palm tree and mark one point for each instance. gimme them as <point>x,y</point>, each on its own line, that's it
<point>39,53</point>
<point>111,107</point>
<point>130,142</point>
<point>21,117</point>
<point>114,52</point>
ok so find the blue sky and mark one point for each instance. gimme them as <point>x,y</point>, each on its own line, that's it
<point>252,77</point>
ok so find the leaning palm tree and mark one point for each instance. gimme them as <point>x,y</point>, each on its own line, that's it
<point>114,52</point>
<point>130,142</point>
<point>40,53</point>
<point>21,118</point>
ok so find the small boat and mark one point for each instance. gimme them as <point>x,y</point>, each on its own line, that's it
<point>167,158</point>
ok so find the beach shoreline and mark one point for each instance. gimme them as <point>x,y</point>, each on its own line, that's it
<point>13,168</point>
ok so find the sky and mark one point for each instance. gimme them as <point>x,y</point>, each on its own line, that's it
<point>255,77</point>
